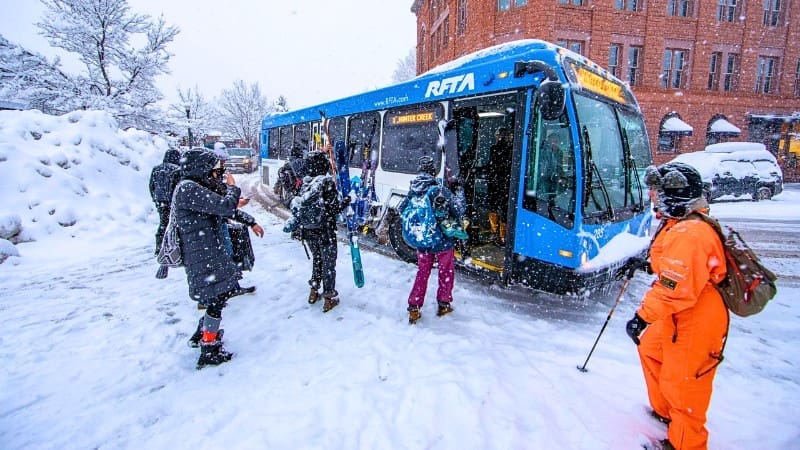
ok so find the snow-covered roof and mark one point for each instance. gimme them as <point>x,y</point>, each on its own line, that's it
<point>723,126</point>
<point>676,125</point>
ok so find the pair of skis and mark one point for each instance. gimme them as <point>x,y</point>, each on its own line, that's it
<point>337,155</point>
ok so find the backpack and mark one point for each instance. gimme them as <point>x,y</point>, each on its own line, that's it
<point>169,254</point>
<point>420,224</point>
<point>748,285</point>
<point>308,207</point>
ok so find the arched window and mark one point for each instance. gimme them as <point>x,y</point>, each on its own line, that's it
<point>720,130</point>
<point>670,132</point>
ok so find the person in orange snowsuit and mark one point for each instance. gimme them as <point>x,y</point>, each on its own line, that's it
<point>681,326</point>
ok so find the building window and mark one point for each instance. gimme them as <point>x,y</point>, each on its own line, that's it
<point>434,10</point>
<point>445,27</point>
<point>680,8</point>
<point>675,62</point>
<point>628,5</point>
<point>727,11</point>
<point>765,74</point>
<point>729,78</point>
<point>461,14</point>
<point>634,63</point>
<point>670,132</point>
<point>714,71</point>
<point>613,59</point>
<point>504,5</point>
<point>575,46</point>
<point>772,13</point>
<point>797,80</point>
<point>571,2</point>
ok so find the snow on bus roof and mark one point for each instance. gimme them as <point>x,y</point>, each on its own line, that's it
<point>493,50</point>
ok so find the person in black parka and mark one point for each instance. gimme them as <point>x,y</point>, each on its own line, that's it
<point>322,241</point>
<point>210,271</point>
<point>163,180</point>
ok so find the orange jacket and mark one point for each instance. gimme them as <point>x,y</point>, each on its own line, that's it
<point>687,257</point>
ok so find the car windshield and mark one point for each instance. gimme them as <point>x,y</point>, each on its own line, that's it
<point>239,152</point>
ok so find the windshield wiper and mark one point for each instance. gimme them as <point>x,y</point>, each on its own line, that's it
<point>631,171</point>
<point>595,171</point>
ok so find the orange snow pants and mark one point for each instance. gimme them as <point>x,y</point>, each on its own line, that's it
<point>679,356</point>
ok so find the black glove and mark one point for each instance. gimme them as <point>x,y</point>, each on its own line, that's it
<point>346,201</point>
<point>635,264</point>
<point>635,327</point>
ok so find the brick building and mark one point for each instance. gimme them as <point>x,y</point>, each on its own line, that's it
<point>704,71</point>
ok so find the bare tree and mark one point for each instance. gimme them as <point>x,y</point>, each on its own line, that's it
<point>31,79</point>
<point>119,76</point>
<point>241,109</point>
<point>202,114</point>
<point>406,68</point>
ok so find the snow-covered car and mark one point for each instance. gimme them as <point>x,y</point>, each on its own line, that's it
<point>242,159</point>
<point>737,169</point>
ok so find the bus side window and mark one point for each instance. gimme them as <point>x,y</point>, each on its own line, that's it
<point>362,133</point>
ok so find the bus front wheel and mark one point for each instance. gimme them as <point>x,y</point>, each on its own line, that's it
<point>403,250</point>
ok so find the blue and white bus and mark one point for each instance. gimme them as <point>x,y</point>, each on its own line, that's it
<point>579,144</point>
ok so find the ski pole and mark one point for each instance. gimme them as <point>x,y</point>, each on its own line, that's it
<point>610,313</point>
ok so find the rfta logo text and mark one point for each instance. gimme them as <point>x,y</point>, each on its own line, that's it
<point>451,85</point>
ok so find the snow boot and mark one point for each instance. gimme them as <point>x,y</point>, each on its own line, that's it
<point>444,309</point>
<point>659,417</point>
<point>413,314</point>
<point>663,444</point>
<point>243,290</point>
<point>194,341</point>
<point>313,296</point>
<point>330,302</point>
<point>212,354</point>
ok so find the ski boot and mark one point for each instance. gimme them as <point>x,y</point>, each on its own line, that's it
<point>331,300</point>
<point>212,354</point>
<point>413,314</point>
<point>444,309</point>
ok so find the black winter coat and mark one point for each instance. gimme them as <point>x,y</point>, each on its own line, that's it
<point>199,214</point>
<point>164,177</point>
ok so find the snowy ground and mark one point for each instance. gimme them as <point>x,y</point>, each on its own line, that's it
<point>94,351</point>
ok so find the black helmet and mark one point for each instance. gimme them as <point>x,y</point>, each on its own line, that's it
<point>317,163</point>
<point>426,164</point>
<point>679,186</point>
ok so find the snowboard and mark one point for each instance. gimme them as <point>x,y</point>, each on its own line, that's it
<point>355,255</point>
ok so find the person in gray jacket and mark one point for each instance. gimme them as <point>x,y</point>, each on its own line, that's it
<point>212,276</point>
<point>163,180</point>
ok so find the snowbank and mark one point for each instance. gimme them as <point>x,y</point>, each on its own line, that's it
<point>55,172</point>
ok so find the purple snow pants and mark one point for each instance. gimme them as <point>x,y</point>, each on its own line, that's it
<point>425,261</point>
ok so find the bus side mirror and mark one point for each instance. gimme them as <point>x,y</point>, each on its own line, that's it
<point>551,99</point>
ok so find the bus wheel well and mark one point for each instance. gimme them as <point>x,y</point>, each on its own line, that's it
<point>395,231</point>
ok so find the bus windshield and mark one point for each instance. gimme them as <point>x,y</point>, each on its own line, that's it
<point>612,184</point>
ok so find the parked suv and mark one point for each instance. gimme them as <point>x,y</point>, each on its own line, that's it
<point>737,169</point>
<point>243,159</point>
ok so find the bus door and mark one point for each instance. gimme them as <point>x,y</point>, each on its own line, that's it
<point>486,140</point>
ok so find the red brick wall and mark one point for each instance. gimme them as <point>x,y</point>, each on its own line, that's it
<point>599,24</point>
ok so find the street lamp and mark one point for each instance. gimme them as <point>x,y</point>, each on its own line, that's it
<point>189,126</point>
